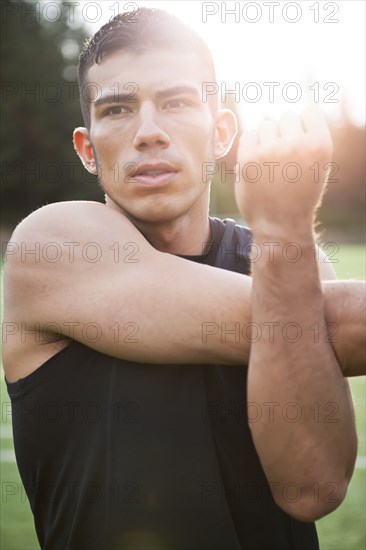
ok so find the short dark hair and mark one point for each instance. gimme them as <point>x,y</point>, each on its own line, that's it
<point>139,31</point>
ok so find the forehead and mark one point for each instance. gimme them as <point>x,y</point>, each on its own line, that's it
<point>148,71</point>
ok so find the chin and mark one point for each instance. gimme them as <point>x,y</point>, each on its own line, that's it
<point>156,212</point>
<point>155,217</point>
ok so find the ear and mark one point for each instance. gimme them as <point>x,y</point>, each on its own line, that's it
<point>84,149</point>
<point>225,132</point>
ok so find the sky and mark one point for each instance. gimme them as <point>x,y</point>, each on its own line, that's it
<point>275,55</point>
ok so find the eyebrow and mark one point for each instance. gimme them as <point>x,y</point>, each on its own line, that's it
<point>132,97</point>
<point>176,90</point>
<point>115,98</point>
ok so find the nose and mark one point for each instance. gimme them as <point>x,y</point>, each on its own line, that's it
<point>149,133</point>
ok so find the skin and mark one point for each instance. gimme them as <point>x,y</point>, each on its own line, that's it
<point>182,131</point>
<point>290,292</point>
<point>174,220</point>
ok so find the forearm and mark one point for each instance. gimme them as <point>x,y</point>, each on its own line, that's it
<point>214,322</point>
<point>211,321</point>
<point>158,309</point>
<point>299,375</point>
<point>344,327</point>
<point>345,312</point>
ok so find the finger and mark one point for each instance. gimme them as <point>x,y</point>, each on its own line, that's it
<point>313,120</point>
<point>315,124</point>
<point>290,127</point>
<point>267,132</point>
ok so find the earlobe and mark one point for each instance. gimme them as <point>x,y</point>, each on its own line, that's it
<point>226,130</point>
<point>84,149</point>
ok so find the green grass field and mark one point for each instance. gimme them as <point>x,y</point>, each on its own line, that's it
<point>348,260</point>
<point>342,530</point>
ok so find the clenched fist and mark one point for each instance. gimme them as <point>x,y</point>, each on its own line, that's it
<point>278,187</point>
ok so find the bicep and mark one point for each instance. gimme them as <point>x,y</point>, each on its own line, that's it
<point>156,311</point>
<point>327,273</point>
<point>113,292</point>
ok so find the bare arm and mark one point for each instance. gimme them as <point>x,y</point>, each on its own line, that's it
<point>134,302</point>
<point>112,291</point>
<point>295,373</point>
<point>345,306</point>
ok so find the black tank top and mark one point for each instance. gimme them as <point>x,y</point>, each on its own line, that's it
<point>117,455</point>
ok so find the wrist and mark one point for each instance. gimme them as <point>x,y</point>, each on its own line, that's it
<point>284,252</point>
<point>300,231</point>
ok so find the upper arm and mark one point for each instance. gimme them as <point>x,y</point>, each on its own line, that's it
<point>74,269</point>
<point>96,279</point>
<point>327,273</point>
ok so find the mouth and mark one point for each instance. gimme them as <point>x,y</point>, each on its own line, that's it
<point>154,174</point>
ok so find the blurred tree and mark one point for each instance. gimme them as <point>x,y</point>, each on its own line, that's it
<point>343,211</point>
<point>40,109</point>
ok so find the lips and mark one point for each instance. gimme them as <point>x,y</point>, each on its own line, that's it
<point>154,173</point>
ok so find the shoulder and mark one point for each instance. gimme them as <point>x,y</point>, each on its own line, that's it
<point>243,231</point>
<point>54,229</point>
<point>235,247</point>
<point>56,245</point>
<point>61,215</point>
<point>235,230</point>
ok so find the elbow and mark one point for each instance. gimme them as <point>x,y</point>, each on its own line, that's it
<point>315,502</point>
<point>321,494</point>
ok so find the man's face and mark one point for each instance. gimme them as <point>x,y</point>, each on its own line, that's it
<point>151,146</point>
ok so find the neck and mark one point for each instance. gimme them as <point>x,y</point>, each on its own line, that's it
<point>179,236</point>
<point>185,235</point>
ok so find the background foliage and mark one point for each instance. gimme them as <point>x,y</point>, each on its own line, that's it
<point>40,109</point>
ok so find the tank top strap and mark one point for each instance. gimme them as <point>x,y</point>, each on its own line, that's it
<point>232,242</point>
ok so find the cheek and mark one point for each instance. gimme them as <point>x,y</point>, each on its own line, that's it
<point>201,140</point>
<point>109,149</point>
<point>204,148</point>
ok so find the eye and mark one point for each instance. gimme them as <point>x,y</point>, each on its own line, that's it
<point>116,110</point>
<point>175,104</point>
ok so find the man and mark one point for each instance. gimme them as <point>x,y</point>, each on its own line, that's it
<point>119,441</point>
